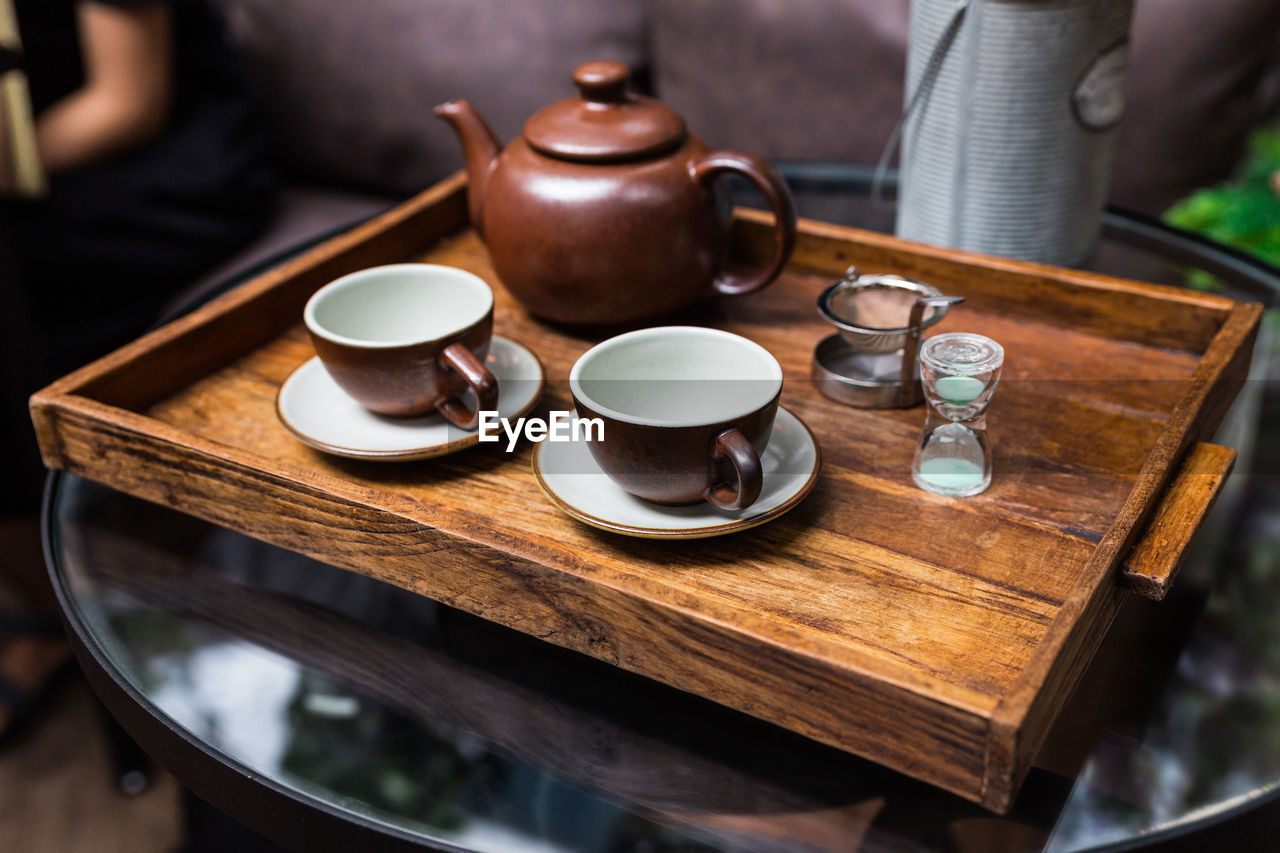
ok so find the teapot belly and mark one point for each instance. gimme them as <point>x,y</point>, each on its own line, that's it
<point>607,254</point>
<point>592,280</point>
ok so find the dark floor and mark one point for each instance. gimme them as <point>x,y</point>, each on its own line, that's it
<point>57,793</point>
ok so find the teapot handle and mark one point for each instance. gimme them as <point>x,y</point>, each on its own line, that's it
<point>766,178</point>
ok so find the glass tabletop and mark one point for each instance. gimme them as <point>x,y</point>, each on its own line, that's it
<point>376,705</point>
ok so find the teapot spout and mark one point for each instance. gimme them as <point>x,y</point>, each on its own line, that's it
<point>479,150</point>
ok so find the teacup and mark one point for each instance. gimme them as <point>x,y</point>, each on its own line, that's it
<point>405,339</point>
<point>686,413</point>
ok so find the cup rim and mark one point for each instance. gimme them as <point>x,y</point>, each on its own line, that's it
<point>575,375</point>
<point>354,279</point>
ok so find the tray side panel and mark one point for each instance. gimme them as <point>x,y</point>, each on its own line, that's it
<point>1024,716</point>
<point>925,738</point>
<point>1146,313</point>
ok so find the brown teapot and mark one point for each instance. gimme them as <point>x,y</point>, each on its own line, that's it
<point>606,210</point>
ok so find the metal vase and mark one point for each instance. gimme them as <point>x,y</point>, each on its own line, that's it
<point>1008,133</point>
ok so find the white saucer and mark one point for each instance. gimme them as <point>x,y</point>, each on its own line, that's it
<point>320,414</point>
<point>570,477</point>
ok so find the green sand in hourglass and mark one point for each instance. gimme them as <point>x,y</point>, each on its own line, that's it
<point>959,390</point>
<point>959,373</point>
<point>957,475</point>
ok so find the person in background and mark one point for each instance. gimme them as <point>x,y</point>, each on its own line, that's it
<point>155,168</point>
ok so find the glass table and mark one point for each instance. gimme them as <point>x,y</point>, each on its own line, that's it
<point>326,710</point>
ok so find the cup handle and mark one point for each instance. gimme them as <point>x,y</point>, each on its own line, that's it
<point>478,377</point>
<point>733,445</point>
<point>766,178</point>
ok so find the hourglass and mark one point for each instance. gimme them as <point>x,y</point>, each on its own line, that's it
<point>959,372</point>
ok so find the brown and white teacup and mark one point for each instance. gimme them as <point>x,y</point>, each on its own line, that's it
<point>686,413</point>
<point>405,339</point>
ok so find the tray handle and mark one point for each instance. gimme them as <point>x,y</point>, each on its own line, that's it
<point>1153,563</point>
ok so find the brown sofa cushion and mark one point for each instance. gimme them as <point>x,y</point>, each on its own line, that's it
<point>797,79</point>
<point>349,86</point>
<point>822,79</point>
<point>1197,86</point>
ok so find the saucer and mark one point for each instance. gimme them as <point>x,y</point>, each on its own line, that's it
<point>570,477</point>
<point>320,414</point>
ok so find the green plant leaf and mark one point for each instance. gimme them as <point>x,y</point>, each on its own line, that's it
<point>1244,213</point>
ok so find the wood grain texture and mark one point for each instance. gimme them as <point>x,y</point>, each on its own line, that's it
<point>1154,561</point>
<point>935,635</point>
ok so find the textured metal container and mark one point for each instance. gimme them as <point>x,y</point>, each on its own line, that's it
<point>1007,147</point>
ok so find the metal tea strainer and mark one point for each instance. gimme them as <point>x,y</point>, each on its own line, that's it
<point>871,361</point>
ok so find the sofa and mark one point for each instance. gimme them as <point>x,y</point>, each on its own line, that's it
<point>348,87</point>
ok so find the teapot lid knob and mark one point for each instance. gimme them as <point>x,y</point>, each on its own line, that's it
<point>602,81</point>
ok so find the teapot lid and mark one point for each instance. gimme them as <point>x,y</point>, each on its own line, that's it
<point>604,122</point>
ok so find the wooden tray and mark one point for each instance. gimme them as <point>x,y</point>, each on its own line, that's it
<point>937,636</point>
